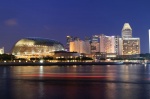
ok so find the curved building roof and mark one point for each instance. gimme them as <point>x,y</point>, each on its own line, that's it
<point>36,45</point>
<point>126,26</point>
<point>37,41</point>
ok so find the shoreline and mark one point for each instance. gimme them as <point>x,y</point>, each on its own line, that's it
<point>62,63</point>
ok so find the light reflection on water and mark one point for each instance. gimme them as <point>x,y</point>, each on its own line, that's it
<point>75,82</point>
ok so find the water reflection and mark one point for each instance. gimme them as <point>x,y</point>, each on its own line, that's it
<point>41,71</point>
<point>75,82</point>
<point>41,90</point>
<point>123,73</point>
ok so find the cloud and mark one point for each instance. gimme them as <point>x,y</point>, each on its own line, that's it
<point>11,22</point>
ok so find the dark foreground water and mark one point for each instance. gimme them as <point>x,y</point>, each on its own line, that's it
<point>75,82</point>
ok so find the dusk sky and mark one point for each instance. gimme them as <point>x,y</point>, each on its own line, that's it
<point>55,19</point>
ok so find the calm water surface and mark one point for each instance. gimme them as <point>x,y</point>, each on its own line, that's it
<point>75,82</point>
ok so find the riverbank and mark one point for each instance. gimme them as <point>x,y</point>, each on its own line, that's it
<point>61,63</point>
<point>57,63</point>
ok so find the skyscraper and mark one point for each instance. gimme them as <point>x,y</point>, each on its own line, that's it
<point>68,40</point>
<point>95,38</point>
<point>95,44</point>
<point>126,31</point>
<point>80,46</point>
<point>108,44</point>
<point>129,45</point>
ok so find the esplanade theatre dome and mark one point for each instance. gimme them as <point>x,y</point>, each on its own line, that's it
<point>36,46</point>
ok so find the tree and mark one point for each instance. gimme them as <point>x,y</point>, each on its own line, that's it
<point>61,59</point>
<point>34,59</point>
<point>83,58</point>
<point>7,57</point>
<point>48,58</point>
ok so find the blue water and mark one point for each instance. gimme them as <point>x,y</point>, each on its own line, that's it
<point>75,82</point>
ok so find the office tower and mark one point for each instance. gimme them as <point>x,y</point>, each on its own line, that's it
<point>95,38</point>
<point>68,40</point>
<point>94,47</point>
<point>95,44</point>
<point>87,45</point>
<point>117,44</point>
<point>126,31</point>
<point>102,43</point>
<point>130,45</point>
<point>88,39</point>
<point>120,47</point>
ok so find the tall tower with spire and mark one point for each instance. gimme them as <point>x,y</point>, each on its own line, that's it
<point>126,31</point>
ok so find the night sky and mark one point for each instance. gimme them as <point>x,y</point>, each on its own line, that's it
<point>55,19</point>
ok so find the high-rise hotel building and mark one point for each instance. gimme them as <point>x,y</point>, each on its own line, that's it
<point>131,46</point>
<point>128,44</point>
<point>109,44</point>
<point>125,45</point>
<point>98,43</point>
<point>80,46</point>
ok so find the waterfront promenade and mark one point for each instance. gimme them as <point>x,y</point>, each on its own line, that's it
<point>62,63</point>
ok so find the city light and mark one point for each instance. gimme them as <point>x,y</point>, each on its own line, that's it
<point>41,61</point>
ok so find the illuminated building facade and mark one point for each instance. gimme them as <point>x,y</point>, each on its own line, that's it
<point>95,44</point>
<point>68,40</point>
<point>109,44</point>
<point>80,46</point>
<point>75,46</point>
<point>2,50</point>
<point>36,47</point>
<point>95,47</point>
<point>125,45</point>
<point>129,45</point>
<point>86,47</point>
<point>117,44</point>
<point>88,39</point>
<point>102,43</point>
<point>95,38</point>
<point>120,47</point>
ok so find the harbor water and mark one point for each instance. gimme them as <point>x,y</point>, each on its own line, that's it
<point>130,81</point>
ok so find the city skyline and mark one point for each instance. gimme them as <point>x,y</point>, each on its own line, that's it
<point>57,19</point>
